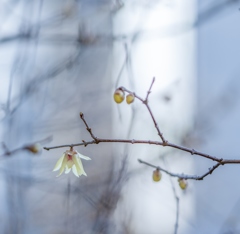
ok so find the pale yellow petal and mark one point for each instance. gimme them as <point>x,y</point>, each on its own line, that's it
<point>84,157</point>
<point>76,164</point>
<point>74,170</point>
<point>79,163</point>
<point>70,163</point>
<point>67,170</point>
<point>59,163</point>
<point>64,162</point>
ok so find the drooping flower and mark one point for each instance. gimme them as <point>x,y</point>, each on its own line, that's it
<point>71,160</point>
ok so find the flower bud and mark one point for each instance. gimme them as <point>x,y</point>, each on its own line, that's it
<point>182,183</point>
<point>130,98</point>
<point>34,148</point>
<point>118,96</point>
<point>157,175</point>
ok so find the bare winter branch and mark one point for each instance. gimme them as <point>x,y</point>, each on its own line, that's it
<point>164,143</point>
<point>183,176</point>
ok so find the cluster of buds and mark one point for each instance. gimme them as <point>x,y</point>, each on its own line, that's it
<point>119,96</point>
<point>157,175</point>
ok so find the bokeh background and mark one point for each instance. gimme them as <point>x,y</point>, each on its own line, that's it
<point>60,58</point>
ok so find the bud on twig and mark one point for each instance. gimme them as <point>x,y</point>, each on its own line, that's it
<point>182,183</point>
<point>118,96</point>
<point>157,175</point>
<point>130,98</point>
<point>34,148</point>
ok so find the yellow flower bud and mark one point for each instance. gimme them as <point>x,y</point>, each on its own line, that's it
<point>183,183</point>
<point>34,148</point>
<point>118,96</point>
<point>130,98</point>
<point>157,175</point>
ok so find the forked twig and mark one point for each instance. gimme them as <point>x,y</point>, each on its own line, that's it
<point>145,102</point>
<point>163,142</point>
<point>182,176</point>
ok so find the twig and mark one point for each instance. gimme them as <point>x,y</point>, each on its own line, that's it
<point>177,199</point>
<point>183,176</point>
<point>145,102</point>
<point>88,129</point>
<point>149,91</point>
<point>164,142</point>
<point>148,142</point>
<point>8,152</point>
<point>193,177</point>
<point>11,152</point>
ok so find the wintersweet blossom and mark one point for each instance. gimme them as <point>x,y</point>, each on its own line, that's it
<point>70,160</point>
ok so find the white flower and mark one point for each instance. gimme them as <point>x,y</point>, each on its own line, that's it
<point>71,160</point>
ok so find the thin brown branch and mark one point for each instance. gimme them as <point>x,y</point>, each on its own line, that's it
<point>156,125</point>
<point>133,141</point>
<point>88,129</point>
<point>145,102</point>
<point>164,143</point>
<point>149,91</point>
<point>184,176</point>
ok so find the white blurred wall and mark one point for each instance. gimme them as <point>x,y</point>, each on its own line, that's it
<point>163,46</point>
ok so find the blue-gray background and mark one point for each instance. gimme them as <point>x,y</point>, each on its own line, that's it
<point>51,66</point>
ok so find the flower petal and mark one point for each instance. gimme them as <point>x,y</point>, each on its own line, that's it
<point>59,163</point>
<point>83,156</point>
<point>70,163</point>
<point>74,170</point>
<point>67,170</point>
<point>76,164</point>
<point>79,166</point>
<point>64,162</point>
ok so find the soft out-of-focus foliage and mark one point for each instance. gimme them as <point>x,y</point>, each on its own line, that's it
<point>51,69</point>
<point>56,59</point>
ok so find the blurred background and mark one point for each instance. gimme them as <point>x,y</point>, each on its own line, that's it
<point>60,58</point>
